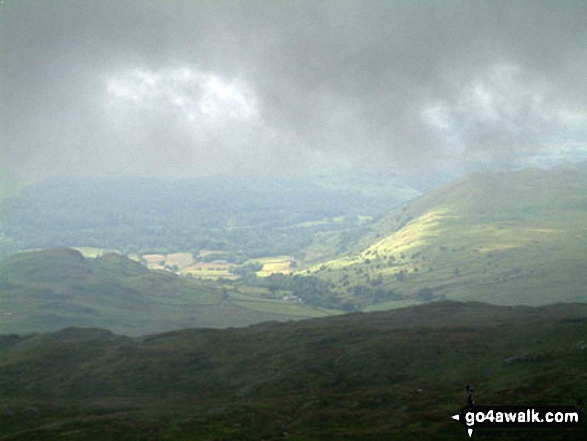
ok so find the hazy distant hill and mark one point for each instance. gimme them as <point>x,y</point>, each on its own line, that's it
<point>505,238</point>
<point>379,376</point>
<point>55,288</point>
<point>6,245</point>
<point>243,217</point>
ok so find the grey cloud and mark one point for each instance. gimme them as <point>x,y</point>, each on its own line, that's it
<point>382,80</point>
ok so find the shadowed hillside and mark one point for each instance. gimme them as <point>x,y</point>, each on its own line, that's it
<point>371,376</point>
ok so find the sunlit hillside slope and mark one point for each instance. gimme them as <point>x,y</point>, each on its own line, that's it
<point>504,238</point>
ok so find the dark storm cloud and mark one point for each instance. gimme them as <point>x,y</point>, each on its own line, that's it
<point>259,87</point>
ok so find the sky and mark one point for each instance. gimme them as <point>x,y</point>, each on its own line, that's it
<point>416,89</point>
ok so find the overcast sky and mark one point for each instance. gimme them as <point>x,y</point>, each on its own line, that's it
<point>190,88</point>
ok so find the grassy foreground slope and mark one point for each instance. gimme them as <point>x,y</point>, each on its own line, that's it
<point>389,375</point>
<point>503,238</point>
<point>51,289</point>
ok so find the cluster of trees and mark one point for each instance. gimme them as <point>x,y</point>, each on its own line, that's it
<point>319,292</point>
<point>312,290</point>
<point>247,271</point>
<point>375,294</point>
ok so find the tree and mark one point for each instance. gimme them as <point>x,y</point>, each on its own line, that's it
<point>425,294</point>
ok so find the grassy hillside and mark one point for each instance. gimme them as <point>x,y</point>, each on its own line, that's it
<point>504,238</point>
<point>51,289</point>
<point>390,375</point>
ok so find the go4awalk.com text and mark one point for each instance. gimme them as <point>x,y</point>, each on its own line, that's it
<point>504,417</point>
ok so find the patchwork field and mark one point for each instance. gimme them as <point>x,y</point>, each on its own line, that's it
<point>184,264</point>
<point>179,260</point>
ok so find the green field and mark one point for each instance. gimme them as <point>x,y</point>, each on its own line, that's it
<point>284,308</point>
<point>274,265</point>
<point>388,375</point>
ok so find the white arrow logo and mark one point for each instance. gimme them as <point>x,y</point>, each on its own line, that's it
<point>457,417</point>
